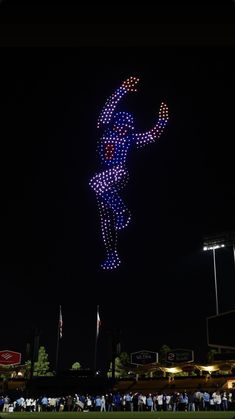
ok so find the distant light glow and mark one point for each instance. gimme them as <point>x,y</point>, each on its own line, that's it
<point>209,368</point>
<point>217,246</point>
<point>113,148</point>
<point>172,370</point>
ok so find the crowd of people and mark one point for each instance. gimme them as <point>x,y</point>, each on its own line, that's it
<point>184,401</point>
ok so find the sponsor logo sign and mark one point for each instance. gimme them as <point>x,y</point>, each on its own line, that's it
<point>144,357</point>
<point>180,356</point>
<point>10,357</point>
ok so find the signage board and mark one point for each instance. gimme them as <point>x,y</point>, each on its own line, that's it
<point>220,330</point>
<point>10,357</point>
<point>178,356</point>
<point>144,357</point>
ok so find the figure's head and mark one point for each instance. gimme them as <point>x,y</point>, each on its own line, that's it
<point>123,122</point>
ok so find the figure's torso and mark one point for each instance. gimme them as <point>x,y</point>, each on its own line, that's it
<point>113,148</point>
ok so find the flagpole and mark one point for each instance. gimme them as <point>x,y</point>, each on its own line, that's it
<point>96,337</point>
<point>59,335</point>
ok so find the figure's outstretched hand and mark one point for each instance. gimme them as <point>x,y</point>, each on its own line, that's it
<point>130,84</point>
<point>163,112</point>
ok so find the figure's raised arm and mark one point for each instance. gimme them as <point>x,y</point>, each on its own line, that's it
<point>147,137</point>
<point>129,85</point>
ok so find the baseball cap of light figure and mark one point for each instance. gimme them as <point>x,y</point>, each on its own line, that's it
<point>123,119</point>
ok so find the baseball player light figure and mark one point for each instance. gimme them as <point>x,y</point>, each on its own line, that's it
<point>115,141</point>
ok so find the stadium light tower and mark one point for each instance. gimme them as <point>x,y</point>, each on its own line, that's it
<point>213,248</point>
<point>216,242</point>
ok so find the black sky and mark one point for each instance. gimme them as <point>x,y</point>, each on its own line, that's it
<point>180,189</point>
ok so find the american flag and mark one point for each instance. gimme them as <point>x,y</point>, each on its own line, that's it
<point>98,322</point>
<point>60,324</point>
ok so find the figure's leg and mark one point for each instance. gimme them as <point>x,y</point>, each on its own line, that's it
<point>107,185</point>
<point>109,235</point>
<point>122,215</point>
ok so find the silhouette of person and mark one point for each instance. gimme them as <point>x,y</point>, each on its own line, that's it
<point>113,147</point>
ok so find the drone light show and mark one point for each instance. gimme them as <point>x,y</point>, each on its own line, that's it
<point>118,134</point>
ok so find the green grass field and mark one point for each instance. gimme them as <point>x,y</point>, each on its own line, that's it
<point>121,415</point>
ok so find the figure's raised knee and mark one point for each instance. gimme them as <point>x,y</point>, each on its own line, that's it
<point>95,184</point>
<point>98,184</point>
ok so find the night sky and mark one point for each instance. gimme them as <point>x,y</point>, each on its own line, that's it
<point>181,188</point>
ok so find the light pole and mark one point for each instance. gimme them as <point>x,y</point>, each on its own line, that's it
<point>216,242</point>
<point>220,240</point>
<point>215,276</point>
<point>213,248</point>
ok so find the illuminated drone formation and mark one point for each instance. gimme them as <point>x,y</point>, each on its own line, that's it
<point>113,147</point>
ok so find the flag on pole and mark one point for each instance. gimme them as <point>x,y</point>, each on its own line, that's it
<point>60,324</point>
<point>98,323</point>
